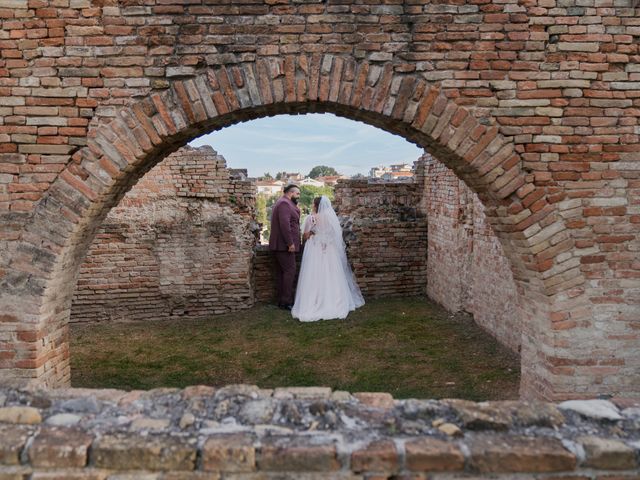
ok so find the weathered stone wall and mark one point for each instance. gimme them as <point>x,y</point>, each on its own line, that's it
<point>467,268</point>
<point>243,432</point>
<point>179,244</point>
<point>385,235</point>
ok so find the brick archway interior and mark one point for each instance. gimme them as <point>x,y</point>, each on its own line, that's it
<point>122,149</point>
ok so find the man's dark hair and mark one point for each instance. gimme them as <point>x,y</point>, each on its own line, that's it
<point>290,186</point>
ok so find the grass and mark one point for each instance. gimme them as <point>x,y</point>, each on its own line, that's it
<point>406,346</point>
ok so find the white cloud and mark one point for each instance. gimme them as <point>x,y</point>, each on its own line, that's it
<point>299,142</point>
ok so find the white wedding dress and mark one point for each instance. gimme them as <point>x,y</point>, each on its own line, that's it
<point>327,287</point>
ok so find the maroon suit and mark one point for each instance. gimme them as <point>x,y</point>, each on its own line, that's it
<point>285,231</point>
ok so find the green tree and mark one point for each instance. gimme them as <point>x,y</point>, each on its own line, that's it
<point>321,171</point>
<point>267,176</point>
<point>264,205</point>
<point>261,208</point>
<point>309,192</point>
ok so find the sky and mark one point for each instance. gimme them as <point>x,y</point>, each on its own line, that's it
<point>297,143</point>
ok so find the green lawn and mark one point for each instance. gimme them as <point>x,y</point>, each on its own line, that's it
<point>406,346</point>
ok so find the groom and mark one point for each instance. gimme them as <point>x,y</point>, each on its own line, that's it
<point>284,241</point>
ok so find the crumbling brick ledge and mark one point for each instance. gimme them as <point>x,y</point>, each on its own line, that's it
<point>243,432</point>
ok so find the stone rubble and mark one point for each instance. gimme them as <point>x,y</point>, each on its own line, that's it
<point>243,428</point>
<point>599,409</point>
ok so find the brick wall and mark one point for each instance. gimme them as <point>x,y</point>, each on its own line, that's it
<point>385,235</point>
<point>180,243</point>
<point>263,281</point>
<point>534,103</point>
<point>263,274</point>
<point>467,269</point>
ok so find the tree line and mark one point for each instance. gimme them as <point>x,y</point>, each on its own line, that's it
<point>317,171</point>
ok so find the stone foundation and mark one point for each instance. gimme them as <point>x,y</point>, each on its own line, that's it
<point>243,432</point>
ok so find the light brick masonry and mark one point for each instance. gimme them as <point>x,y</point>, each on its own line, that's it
<point>385,234</point>
<point>467,269</point>
<point>179,244</point>
<point>533,104</point>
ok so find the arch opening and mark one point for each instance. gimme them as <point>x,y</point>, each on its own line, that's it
<point>176,269</point>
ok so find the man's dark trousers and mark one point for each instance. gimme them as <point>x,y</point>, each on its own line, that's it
<point>285,275</point>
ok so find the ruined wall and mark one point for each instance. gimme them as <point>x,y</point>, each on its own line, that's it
<point>180,243</point>
<point>385,235</point>
<point>467,269</point>
<point>263,280</point>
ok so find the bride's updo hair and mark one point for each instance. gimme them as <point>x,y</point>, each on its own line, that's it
<point>316,203</point>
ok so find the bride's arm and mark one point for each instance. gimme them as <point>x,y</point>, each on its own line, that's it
<point>308,228</point>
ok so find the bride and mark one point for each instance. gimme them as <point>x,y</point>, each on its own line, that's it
<point>326,286</point>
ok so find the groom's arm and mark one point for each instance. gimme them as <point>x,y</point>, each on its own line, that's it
<point>284,221</point>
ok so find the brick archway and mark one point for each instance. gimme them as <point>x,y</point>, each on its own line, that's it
<point>121,150</point>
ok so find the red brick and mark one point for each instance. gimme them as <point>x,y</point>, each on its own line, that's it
<point>480,61</point>
<point>380,456</point>
<point>432,455</point>
<point>520,454</point>
<point>297,457</point>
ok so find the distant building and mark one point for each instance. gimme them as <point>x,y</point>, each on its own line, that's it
<point>397,176</point>
<point>378,172</point>
<point>385,172</point>
<point>330,180</point>
<point>291,177</point>
<point>311,182</point>
<point>401,167</point>
<point>270,187</point>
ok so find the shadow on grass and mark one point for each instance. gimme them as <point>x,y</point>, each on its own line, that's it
<point>406,346</point>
